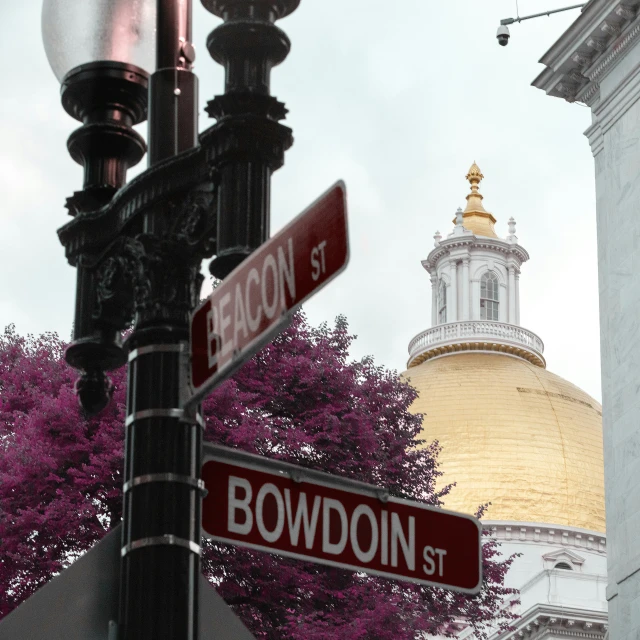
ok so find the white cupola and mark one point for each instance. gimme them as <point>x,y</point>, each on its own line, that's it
<point>475,288</point>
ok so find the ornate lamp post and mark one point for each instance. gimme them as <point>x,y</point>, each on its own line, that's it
<point>138,247</point>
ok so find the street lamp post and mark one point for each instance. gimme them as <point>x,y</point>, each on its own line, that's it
<point>138,247</point>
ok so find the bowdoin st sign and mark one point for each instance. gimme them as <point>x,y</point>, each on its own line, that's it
<point>280,508</point>
<point>254,303</point>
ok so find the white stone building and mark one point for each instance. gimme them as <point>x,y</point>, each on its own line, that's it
<point>597,62</point>
<point>512,433</point>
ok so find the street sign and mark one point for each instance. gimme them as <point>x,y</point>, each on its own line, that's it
<point>82,603</point>
<point>254,303</point>
<point>291,511</point>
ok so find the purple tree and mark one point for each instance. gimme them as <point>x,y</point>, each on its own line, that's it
<point>300,399</point>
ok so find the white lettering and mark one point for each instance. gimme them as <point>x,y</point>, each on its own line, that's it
<point>253,321</point>
<point>408,548</point>
<point>302,516</point>
<point>441,553</point>
<point>315,273</point>
<point>364,556</point>
<point>269,309</point>
<point>328,505</point>
<point>235,505</point>
<point>225,321</point>
<point>286,273</point>
<point>265,490</point>
<point>213,339</point>
<point>240,321</point>
<point>428,554</point>
<point>319,266</point>
<point>321,247</point>
<point>384,537</point>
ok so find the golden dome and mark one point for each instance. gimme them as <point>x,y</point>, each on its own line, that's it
<point>515,435</point>
<point>474,217</point>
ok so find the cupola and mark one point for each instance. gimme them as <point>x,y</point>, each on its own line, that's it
<point>475,288</point>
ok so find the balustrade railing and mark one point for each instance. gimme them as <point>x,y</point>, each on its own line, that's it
<point>475,330</point>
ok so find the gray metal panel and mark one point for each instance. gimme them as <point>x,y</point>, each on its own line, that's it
<point>217,620</point>
<point>79,603</point>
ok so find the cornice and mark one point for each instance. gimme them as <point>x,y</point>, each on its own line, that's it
<point>609,110</point>
<point>616,104</point>
<point>546,534</point>
<point>544,620</point>
<point>548,620</point>
<point>589,49</point>
<point>603,65</point>
<point>445,247</point>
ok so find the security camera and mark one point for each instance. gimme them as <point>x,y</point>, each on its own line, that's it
<point>503,35</point>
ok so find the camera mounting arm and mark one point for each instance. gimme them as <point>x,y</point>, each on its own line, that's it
<point>503,31</point>
<point>507,21</point>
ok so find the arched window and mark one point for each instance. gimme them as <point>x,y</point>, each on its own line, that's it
<point>442,302</point>
<point>564,565</point>
<point>489,299</point>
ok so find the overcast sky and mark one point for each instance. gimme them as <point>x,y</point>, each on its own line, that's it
<point>395,98</point>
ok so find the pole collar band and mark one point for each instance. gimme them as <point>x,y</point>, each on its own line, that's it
<point>156,348</point>
<point>196,483</point>
<point>180,414</point>
<point>167,539</point>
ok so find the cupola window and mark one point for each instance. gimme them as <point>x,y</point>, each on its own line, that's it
<point>489,300</point>
<point>442,301</point>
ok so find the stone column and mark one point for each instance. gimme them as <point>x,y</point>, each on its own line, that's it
<point>452,300</point>
<point>465,289</point>
<point>511,295</point>
<point>475,300</point>
<point>503,307</point>
<point>434,300</point>
<point>517,298</point>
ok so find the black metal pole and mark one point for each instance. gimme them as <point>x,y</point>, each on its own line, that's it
<point>161,518</point>
<point>173,88</point>
<point>138,255</point>
<point>162,491</point>
<point>252,142</point>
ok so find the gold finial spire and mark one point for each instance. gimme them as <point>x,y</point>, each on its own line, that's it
<point>475,218</point>
<point>474,199</point>
<point>474,172</point>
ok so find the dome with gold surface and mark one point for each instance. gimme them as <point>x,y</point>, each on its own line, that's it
<point>512,433</point>
<point>515,435</point>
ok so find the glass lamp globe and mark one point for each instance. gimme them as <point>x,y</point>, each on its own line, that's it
<point>77,32</point>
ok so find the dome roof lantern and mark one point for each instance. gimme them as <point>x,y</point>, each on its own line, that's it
<point>475,295</point>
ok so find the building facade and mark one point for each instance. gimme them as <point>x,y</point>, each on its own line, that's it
<point>597,62</point>
<point>512,433</point>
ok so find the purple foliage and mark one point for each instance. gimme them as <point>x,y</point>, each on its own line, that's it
<point>301,399</point>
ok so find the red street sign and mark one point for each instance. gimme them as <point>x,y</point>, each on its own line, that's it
<point>256,300</point>
<point>291,511</point>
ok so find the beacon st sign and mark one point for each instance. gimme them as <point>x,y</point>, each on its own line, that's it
<point>295,512</point>
<point>254,303</point>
